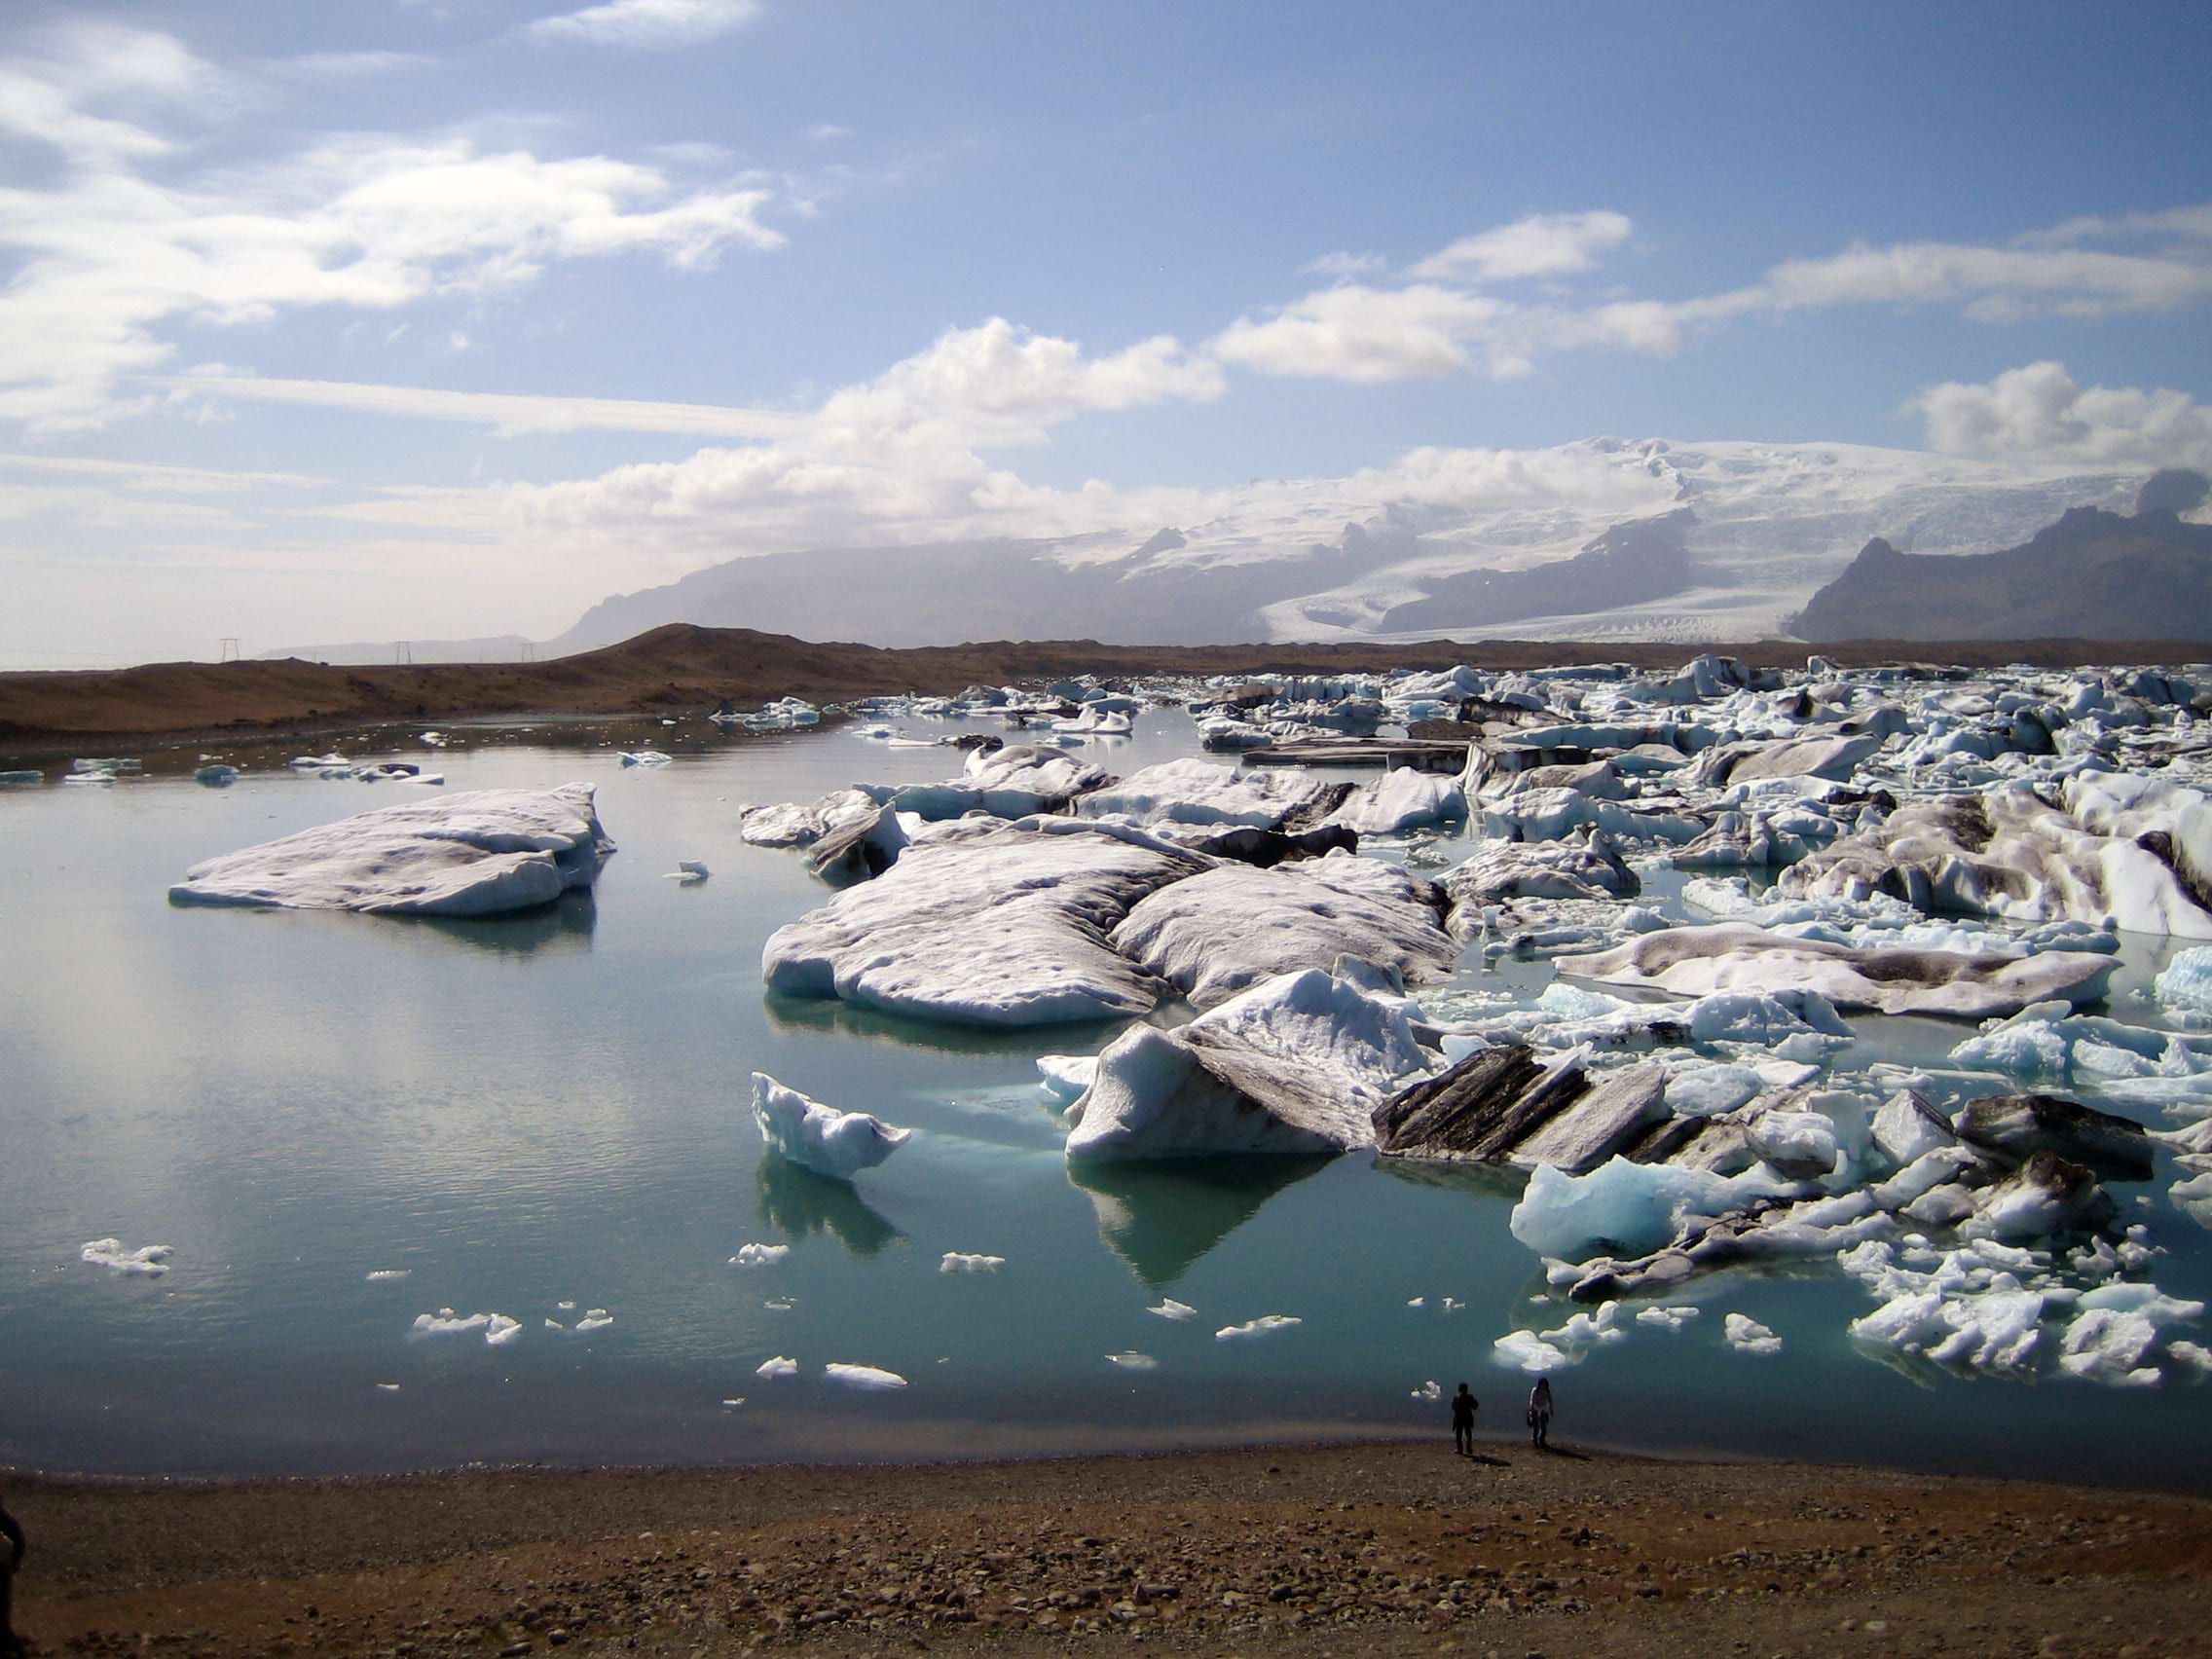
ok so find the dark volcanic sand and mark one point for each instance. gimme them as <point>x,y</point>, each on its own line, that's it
<point>1286,1551</point>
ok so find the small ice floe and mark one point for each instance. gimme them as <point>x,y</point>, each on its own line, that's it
<point>818,1137</point>
<point>780,1366</point>
<point>555,1325</point>
<point>1417,1301</point>
<point>688,872</point>
<point>435,739</point>
<point>1538,1351</point>
<point>594,1319</point>
<point>1170,1309</point>
<point>1451,1304</point>
<point>732,1405</point>
<point>780,1304</point>
<point>1429,1390</point>
<point>871,1378</point>
<point>23,778</point>
<point>644,758</point>
<point>387,1387</point>
<point>960,1262</point>
<point>215,776</point>
<point>1259,1327</point>
<point>150,1260</point>
<point>566,1307</point>
<point>1134,1362</point>
<point>749,1256</point>
<point>1746,1335</point>
<point>1674,1317</point>
<point>498,1329</point>
<point>384,1276</point>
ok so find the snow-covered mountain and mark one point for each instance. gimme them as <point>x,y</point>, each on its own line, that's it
<point>1606,538</point>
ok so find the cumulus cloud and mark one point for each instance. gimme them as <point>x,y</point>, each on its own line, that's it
<point>1542,244</point>
<point>1342,264</point>
<point>2037,413</point>
<point>1372,335</point>
<point>646,23</point>
<point>110,251</point>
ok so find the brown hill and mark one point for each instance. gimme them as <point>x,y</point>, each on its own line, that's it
<point>681,667</point>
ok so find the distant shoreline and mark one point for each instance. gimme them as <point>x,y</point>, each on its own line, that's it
<point>681,670</point>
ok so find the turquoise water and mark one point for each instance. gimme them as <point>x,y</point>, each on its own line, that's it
<point>555,1108</point>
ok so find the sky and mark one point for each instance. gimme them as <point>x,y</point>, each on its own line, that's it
<point>433,318</point>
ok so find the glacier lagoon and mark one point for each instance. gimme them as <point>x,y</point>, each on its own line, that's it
<point>541,1116</point>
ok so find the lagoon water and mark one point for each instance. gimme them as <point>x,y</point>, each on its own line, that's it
<point>532,1111</point>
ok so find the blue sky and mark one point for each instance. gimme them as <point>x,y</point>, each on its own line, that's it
<point>734,275</point>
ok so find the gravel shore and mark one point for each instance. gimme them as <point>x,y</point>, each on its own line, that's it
<point>1372,1550</point>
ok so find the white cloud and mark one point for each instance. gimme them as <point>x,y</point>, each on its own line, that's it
<point>2192,222</point>
<point>829,133</point>
<point>1366,333</point>
<point>508,414</point>
<point>646,22</point>
<point>1342,264</point>
<point>2037,413</point>
<point>349,64</point>
<point>110,253</point>
<point>1542,244</point>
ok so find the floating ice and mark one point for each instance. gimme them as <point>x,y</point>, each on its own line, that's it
<point>474,854</point>
<point>1429,1390</point>
<point>1400,800</point>
<point>645,758</point>
<point>734,1403</point>
<point>2186,983</point>
<point>383,1276</point>
<point>215,776</point>
<point>1629,1208</point>
<point>498,1328</point>
<point>1134,1362</point>
<point>1674,1316</point>
<point>1169,1308</point>
<point>688,872</point>
<point>747,1256</point>
<point>1526,1352</point>
<point>1747,1335</point>
<point>502,1330</point>
<point>1259,1327</point>
<point>1066,1076</point>
<point>960,1262</point>
<point>780,1366</point>
<point>149,1261</point>
<point>1198,791</point>
<point>821,1138</point>
<point>865,1377</point>
<point>596,1318</point>
<point>780,1304</point>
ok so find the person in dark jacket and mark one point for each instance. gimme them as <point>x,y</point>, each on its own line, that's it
<point>1463,1406</point>
<point>11,1644</point>
<point>1540,1412</point>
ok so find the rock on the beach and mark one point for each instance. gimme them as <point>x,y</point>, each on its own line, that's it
<point>1697,961</point>
<point>1218,934</point>
<point>1005,926</point>
<point>477,854</point>
<point>1294,1065</point>
<point>822,1138</point>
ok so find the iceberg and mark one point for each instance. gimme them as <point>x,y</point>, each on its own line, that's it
<point>1004,925</point>
<point>1628,1208</point>
<point>1018,781</point>
<point>1218,934</point>
<point>872,1378</point>
<point>1198,791</point>
<point>2185,985</point>
<point>477,854</point>
<point>1746,1335</point>
<point>1266,1324</point>
<point>148,1261</point>
<point>821,1138</point>
<point>1294,1065</point>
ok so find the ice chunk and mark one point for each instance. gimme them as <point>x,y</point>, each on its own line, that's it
<point>594,1319</point>
<point>2186,983</point>
<point>1400,800</point>
<point>475,854</point>
<point>870,1378</point>
<point>1429,1390</point>
<point>215,776</point>
<point>383,1275</point>
<point>1627,1208</point>
<point>498,1328</point>
<point>503,1330</point>
<point>1259,1327</point>
<point>1294,1066</point>
<point>1526,1352</point>
<point>1198,791</point>
<point>780,1366</point>
<point>1790,1140</point>
<point>1698,961</point>
<point>758,1255</point>
<point>1674,1316</point>
<point>1066,1076</point>
<point>960,1262</point>
<point>1169,1308</point>
<point>821,1138</point>
<point>644,758</point>
<point>1002,927</point>
<point>149,1261</point>
<point>1220,932</point>
<point>1134,1362</point>
<point>1014,782</point>
<point>1747,1335</point>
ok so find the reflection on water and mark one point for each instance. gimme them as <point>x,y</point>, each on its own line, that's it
<point>1476,1180</point>
<point>847,1023</point>
<point>801,1204</point>
<point>566,924</point>
<point>1161,1217</point>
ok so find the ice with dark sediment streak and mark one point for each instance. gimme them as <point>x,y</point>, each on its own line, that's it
<point>477,854</point>
<point>1220,932</point>
<point>821,1138</point>
<point>1005,925</point>
<point>1014,782</point>
<point>1697,961</point>
<point>1294,1066</point>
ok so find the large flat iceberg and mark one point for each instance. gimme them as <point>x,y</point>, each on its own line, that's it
<point>477,854</point>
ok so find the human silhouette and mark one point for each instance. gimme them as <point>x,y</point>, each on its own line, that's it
<point>1463,1406</point>
<point>11,1644</point>
<point>1540,1413</point>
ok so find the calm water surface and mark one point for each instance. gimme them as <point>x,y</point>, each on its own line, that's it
<point>552,1109</point>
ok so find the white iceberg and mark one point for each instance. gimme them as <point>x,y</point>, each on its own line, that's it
<point>1746,1335</point>
<point>966,1262</point>
<point>148,1261</point>
<point>780,1366</point>
<point>475,854</point>
<point>1198,791</point>
<point>819,1137</point>
<point>872,1378</point>
<point>1264,1325</point>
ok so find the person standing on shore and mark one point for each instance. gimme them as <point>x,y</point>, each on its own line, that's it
<point>11,1644</point>
<point>1463,1406</point>
<point>1540,1413</point>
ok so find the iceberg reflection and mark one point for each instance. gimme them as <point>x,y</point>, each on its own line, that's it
<point>798,1202</point>
<point>1161,1216</point>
